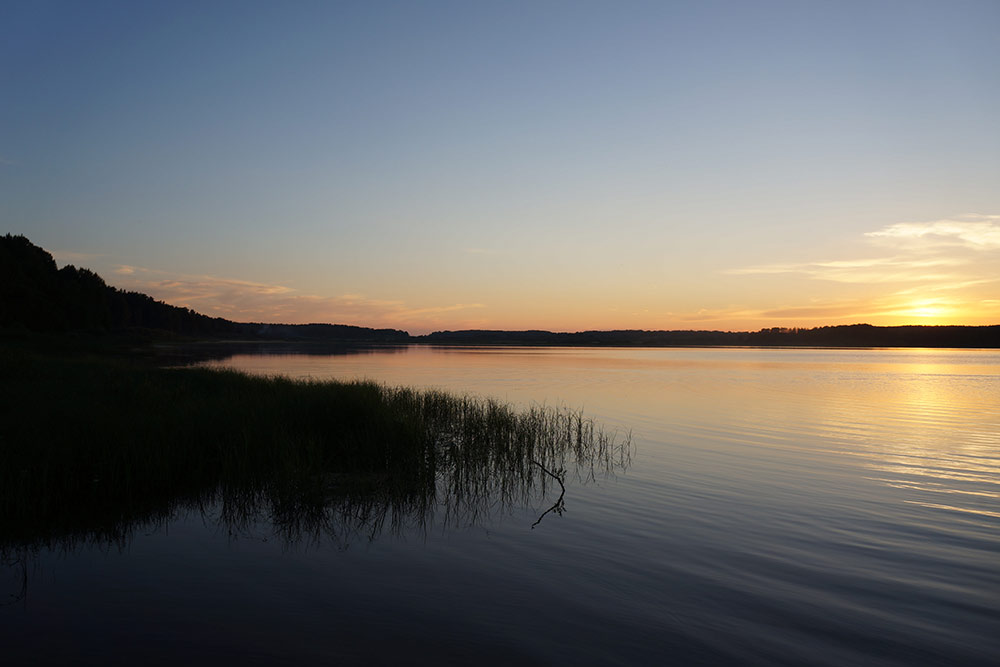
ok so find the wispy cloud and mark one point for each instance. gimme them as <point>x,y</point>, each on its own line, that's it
<point>941,251</point>
<point>253,301</point>
<point>942,287</point>
<point>872,270</point>
<point>708,315</point>
<point>978,232</point>
<point>825,311</point>
<point>936,269</point>
<point>209,287</point>
<point>434,310</point>
<point>886,308</point>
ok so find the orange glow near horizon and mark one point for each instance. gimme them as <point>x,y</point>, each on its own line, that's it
<point>927,312</point>
<point>258,304</point>
<point>425,320</point>
<point>883,281</point>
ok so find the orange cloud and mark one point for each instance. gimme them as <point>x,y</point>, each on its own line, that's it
<point>252,301</point>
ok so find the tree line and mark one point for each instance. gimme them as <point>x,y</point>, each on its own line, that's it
<point>36,295</point>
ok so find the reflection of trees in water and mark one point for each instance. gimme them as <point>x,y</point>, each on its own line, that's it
<point>14,566</point>
<point>193,353</point>
<point>484,461</point>
<point>473,461</point>
<point>92,450</point>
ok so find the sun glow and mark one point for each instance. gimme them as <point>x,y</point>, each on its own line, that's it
<point>931,312</point>
<point>926,311</point>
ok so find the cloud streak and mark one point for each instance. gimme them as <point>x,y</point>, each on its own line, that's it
<point>940,251</point>
<point>890,308</point>
<point>245,300</point>
<point>977,232</point>
<point>937,269</point>
<point>873,270</point>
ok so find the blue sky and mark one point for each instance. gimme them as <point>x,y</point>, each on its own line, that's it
<point>560,165</point>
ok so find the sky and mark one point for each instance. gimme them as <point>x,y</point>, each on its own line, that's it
<point>514,165</point>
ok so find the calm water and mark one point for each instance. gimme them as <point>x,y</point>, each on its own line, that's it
<point>783,506</point>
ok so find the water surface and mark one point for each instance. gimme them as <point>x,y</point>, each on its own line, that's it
<point>782,506</point>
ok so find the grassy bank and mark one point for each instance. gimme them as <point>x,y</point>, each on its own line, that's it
<point>89,446</point>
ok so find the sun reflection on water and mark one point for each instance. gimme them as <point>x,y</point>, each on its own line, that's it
<point>927,427</point>
<point>925,422</point>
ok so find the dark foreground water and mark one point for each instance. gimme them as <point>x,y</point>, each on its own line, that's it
<point>820,507</point>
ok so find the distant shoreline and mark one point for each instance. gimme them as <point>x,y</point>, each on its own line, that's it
<point>39,299</point>
<point>318,345</point>
<point>847,336</point>
<point>315,337</point>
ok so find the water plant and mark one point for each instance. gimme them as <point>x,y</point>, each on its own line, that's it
<point>92,447</point>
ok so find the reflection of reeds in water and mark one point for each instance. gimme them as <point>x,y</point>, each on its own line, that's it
<point>490,453</point>
<point>91,450</point>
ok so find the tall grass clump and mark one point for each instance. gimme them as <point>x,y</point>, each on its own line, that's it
<point>91,447</point>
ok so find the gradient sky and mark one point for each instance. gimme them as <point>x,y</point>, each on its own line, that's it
<point>554,165</point>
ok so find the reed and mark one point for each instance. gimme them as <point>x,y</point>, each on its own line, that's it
<point>91,447</point>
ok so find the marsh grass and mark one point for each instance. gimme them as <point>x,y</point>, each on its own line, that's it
<point>92,448</point>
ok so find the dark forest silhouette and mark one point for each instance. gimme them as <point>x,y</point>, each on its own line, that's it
<point>37,296</point>
<point>852,335</point>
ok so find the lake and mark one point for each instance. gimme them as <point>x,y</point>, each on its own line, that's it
<point>779,507</point>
